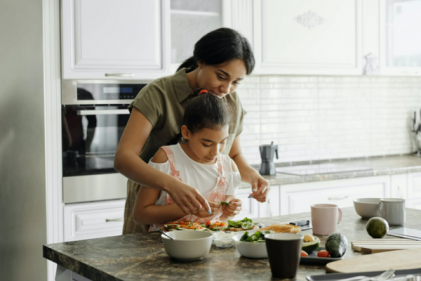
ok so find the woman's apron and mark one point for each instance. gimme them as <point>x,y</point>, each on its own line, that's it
<point>217,194</point>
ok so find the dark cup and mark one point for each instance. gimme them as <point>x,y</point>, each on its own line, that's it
<point>284,253</point>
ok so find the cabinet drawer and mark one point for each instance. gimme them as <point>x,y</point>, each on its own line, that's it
<point>298,198</point>
<point>93,220</point>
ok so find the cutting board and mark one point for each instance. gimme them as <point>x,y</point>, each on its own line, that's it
<point>382,245</point>
<point>402,259</point>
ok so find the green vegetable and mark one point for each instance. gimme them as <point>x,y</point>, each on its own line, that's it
<point>237,224</point>
<point>377,227</point>
<point>246,225</point>
<point>336,244</point>
<point>309,247</point>
<point>224,203</point>
<point>255,237</point>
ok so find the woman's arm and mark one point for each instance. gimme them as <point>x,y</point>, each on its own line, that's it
<point>128,163</point>
<point>259,185</point>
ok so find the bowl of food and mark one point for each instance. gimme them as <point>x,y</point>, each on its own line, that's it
<point>187,245</point>
<point>251,244</point>
<point>367,207</point>
<point>223,240</point>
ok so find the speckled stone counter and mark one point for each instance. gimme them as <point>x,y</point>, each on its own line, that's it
<point>142,256</point>
<point>387,165</point>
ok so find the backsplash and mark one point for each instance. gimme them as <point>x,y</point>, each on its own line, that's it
<point>324,117</point>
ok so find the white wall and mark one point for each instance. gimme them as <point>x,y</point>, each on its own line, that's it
<point>323,117</point>
<point>22,161</point>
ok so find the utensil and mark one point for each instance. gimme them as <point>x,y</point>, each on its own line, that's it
<point>163,232</point>
<point>187,245</point>
<point>267,152</point>
<point>384,276</point>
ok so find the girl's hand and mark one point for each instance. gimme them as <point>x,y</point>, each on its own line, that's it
<point>260,187</point>
<point>233,209</point>
<point>203,213</point>
<point>189,199</point>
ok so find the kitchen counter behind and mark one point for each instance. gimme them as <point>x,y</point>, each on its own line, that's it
<point>387,165</point>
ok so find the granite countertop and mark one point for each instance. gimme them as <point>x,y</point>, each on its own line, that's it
<point>387,165</point>
<point>142,256</point>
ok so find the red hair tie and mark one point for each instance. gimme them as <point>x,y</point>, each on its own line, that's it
<point>203,91</point>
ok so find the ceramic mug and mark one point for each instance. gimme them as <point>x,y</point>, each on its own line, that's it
<point>392,210</point>
<point>325,218</point>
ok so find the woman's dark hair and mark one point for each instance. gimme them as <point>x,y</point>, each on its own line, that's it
<point>219,46</point>
<point>206,111</point>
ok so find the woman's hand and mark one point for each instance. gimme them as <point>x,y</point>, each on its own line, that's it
<point>203,213</point>
<point>233,209</point>
<point>259,186</point>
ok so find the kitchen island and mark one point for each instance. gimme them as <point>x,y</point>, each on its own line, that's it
<point>142,256</point>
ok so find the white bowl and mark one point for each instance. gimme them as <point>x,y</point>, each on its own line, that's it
<point>223,240</point>
<point>367,207</point>
<point>188,245</point>
<point>256,250</point>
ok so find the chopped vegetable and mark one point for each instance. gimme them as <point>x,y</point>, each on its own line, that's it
<point>255,237</point>
<point>224,203</point>
<point>237,224</point>
<point>323,254</point>
<point>304,253</point>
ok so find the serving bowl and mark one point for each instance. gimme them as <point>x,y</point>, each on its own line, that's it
<point>367,207</point>
<point>187,245</point>
<point>256,250</point>
<point>223,240</point>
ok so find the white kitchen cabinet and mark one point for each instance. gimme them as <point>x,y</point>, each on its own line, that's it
<point>400,43</point>
<point>106,39</point>
<point>297,198</point>
<point>308,37</point>
<point>250,207</point>
<point>398,186</point>
<point>414,188</point>
<point>93,220</point>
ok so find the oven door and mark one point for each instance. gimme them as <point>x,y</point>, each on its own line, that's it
<point>90,137</point>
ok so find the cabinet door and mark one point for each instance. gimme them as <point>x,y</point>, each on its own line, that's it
<point>297,198</point>
<point>93,220</point>
<point>250,206</point>
<point>115,39</point>
<point>272,206</point>
<point>414,186</point>
<point>308,37</point>
<point>400,44</point>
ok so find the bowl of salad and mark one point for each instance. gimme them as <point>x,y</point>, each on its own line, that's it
<point>251,244</point>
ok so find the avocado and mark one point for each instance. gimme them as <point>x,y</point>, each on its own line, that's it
<point>336,244</point>
<point>309,247</point>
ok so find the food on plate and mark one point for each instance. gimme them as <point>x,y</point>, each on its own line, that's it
<point>284,228</point>
<point>304,253</point>
<point>258,236</point>
<point>216,226</point>
<point>323,254</point>
<point>377,227</point>
<point>310,243</point>
<point>244,224</point>
<point>183,225</point>
<point>336,244</point>
<point>224,203</point>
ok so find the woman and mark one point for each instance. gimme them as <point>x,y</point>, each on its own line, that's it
<point>221,59</point>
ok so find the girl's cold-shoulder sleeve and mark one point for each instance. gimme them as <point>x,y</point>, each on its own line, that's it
<point>163,167</point>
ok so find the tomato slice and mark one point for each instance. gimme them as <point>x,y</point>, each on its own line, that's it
<point>323,254</point>
<point>222,224</point>
<point>304,253</point>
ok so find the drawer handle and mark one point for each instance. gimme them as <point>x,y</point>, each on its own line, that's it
<point>338,198</point>
<point>119,74</point>
<point>111,220</point>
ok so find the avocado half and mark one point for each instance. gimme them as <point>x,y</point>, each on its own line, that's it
<point>309,247</point>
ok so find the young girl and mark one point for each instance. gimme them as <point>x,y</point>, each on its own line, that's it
<point>198,162</point>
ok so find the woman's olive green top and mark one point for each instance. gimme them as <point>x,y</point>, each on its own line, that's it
<point>163,102</point>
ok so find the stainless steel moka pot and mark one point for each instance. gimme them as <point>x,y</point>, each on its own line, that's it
<point>267,152</point>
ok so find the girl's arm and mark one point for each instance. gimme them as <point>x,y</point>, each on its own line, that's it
<point>259,185</point>
<point>128,163</point>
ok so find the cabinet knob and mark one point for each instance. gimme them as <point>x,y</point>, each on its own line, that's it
<point>338,197</point>
<point>112,220</point>
<point>119,74</point>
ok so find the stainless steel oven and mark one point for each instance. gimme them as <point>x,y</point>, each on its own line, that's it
<point>94,115</point>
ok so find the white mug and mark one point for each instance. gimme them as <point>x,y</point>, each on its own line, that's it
<point>392,210</point>
<point>325,218</point>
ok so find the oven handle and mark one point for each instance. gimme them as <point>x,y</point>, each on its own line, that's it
<point>104,112</point>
